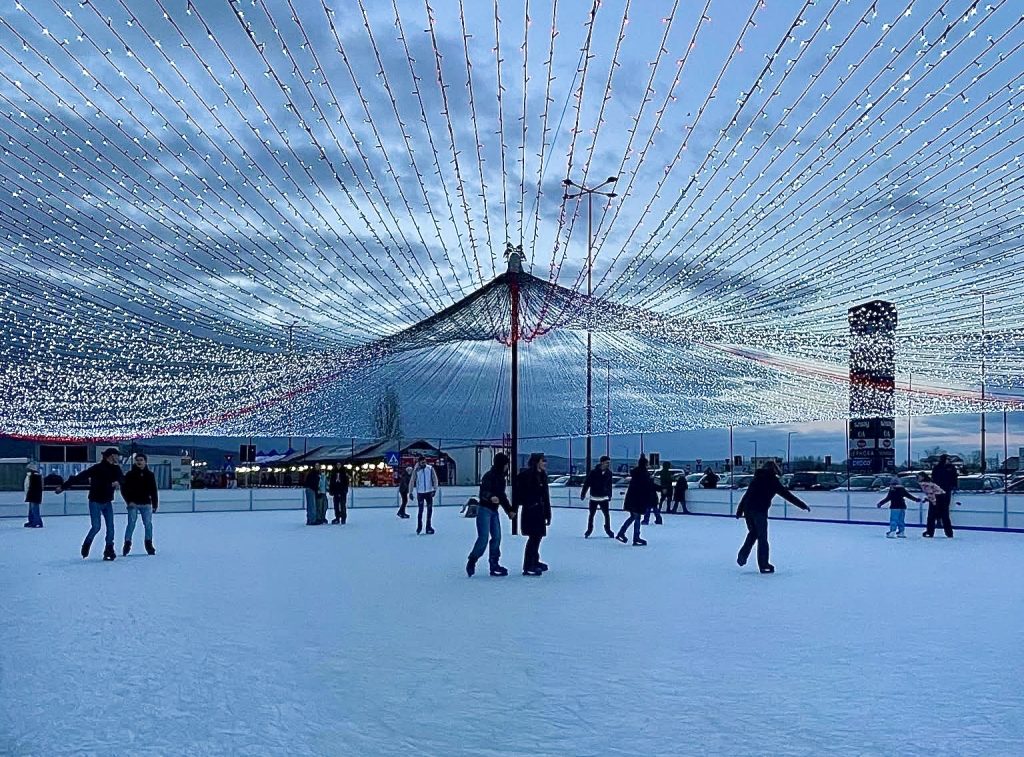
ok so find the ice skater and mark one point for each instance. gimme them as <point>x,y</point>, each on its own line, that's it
<point>945,476</point>
<point>641,494</point>
<point>534,505</point>
<point>665,479</point>
<point>488,522</point>
<point>424,483</point>
<point>679,495</point>
<point>404,480</point>
<point>142,498</point>
<point>104,477</point>
<point>599,486</point>
<point>310,485</point>
<point>33,495</point>
<point>338,488</point>
<point>897,498</point>
<point>753,508</point>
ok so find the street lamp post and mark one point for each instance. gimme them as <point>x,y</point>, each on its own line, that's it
<point>754,442</point>
<point>789,451</point>
<point>589,192</point>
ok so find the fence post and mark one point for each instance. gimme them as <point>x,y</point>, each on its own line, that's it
<point>731,509</point>
<point>1006,511</point>
<point>193,499</point>
<point>847,505</point>
<point>249,482</point>
<point>65,503</point>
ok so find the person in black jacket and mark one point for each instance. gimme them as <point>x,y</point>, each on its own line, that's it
<point>754,506</point>
<point>945,475</point>
<point>679,496</point>
<point>338,488</point>
<point>599,485</point>
<point>897,497</point>
<point>103,477</point>
<point>311,486</point>
<point>641,494</point>
<point>142,498</point>
<point>33,495</point>
<point>404,481</point>
<point>488,523</point>
<point>534,504</point>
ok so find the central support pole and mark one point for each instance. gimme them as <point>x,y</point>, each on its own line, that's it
<point>590,336</point>
<point>515,267</point>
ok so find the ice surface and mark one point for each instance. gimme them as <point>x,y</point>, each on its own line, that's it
<point>250,633</point>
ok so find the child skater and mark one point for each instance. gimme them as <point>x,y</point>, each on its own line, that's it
<point>897,499</point>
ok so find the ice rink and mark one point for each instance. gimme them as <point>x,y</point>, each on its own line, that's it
<point>250,633</point>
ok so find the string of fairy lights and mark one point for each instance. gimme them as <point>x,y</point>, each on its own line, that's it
<point>256,216</point>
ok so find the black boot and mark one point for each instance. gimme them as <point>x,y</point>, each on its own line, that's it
<point>470,567</point>
<point>419,527</point>
<point>542,567</point>
<point>638,542</point>
<point>609,532</point>
<point>108,553</point>
<point>622,538</point>
<point>126,548</point>
<point>590,530</point>
<point>497,570</point>
<point>430,530</point>
<point>85,548</point>
<point>149,548</point>
<point>768,568</point>
<point>532,572</point>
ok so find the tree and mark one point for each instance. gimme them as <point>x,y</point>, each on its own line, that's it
<point>387,419</point>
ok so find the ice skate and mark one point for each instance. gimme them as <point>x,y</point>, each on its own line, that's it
<point>126,548</point>
<point>149,548</point>
<point>542,567</point>
<point>108,553</point>
<point>532,572</point>
<point>430,530</point>
<point>768,569</point>
<point>470,567</point>
<point>622,538</point>
<point>85,549</point>
<point>498,570</point>
<point>890,534</point>
<point>638,542</point>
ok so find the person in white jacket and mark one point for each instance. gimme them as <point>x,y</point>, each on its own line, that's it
<point>424,483</point>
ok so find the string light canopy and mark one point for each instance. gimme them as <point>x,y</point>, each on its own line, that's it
<point>260,216</point>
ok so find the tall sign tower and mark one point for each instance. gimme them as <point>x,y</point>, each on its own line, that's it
<point>872,387</point>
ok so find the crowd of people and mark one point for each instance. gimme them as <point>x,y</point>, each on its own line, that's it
<point>529,509</point>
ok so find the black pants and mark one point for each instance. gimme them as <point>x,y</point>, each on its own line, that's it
<point>405,500</point>
<point>531,556</point>
<point>757,531</point>
<point>341,506</point>
<point>424,499</point>
<point>938,514</point>
<point>677,503</point>
<point>593,511</point>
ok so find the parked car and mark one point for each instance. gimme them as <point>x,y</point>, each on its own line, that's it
<point>815,481</point>
<point>1016,486</point>
<point>861,483</point>
<point>693,478</point>
<point>979,483</point>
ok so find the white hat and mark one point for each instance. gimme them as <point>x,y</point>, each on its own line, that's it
<point>33,467</point>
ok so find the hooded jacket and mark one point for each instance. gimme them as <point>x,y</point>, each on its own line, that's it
<point>641,494</point>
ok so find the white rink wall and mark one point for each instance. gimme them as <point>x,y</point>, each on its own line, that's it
<point>995,510</point>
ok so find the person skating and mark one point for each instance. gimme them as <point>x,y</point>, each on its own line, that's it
<point>534,505</point>
<point>404,481</point>
<point>945,476</point>
<point>33,495</point>
<point>338,488</point>
<point>663,489</point>
<point>665,478</point>
<point>424,483</point>
<point>932,491</point>
<point>641,494</point>
<point>753,508</point>
<point>142,498</point>
<point>103,477</point>
<point>310,485</point>
<point>897,498</point>
<point>599,485</point>
<point>709,480</point>
<point>679,495</point>
<point>488,523</point>
<point>321,496</point>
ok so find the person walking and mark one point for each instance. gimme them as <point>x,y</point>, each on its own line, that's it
<point>641,494</point>
<point>142,498</point>
<point>710,479</point>
<point>599,486</point>
<point>753,508</point>
<point>946,477</point>
<point>404,481</point>
<point>533,501</point>
<point>488,523</point>
<point>338,488</point>
<point>33,495</point>
<point>424,483</point>
<point>897,498</point>
<point>311,485</point>
<point>103,477</point>
<point>679,495</point>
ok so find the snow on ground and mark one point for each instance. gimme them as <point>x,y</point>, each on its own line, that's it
<point>250,633</point>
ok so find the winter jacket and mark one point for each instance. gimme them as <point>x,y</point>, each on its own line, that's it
<point>312,481</point>
<point>710,481</point>
<point>493,485</point>
<point>424,480</point>
<point>665,478</point>
<point>533,502</point>
<point>931,491</point>
<point>339,482</point>
<point>33,488</point>
<point>762,490</point>
<point>101,477</point>
<point>681,486</point>
<point>599,484</point>
<point>139,488</point>
<point>404,480</point>
<point>897,498</point>
<point>946,477</point>
<point>641,494</point>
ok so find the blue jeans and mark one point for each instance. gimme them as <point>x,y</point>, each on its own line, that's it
<point>34,518</point>
<point>106,509</point>
<point>634,518</point>
<point>134,511</point>
<point>487,525</point>
<point>310,507</point>
<point>897,520</point>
